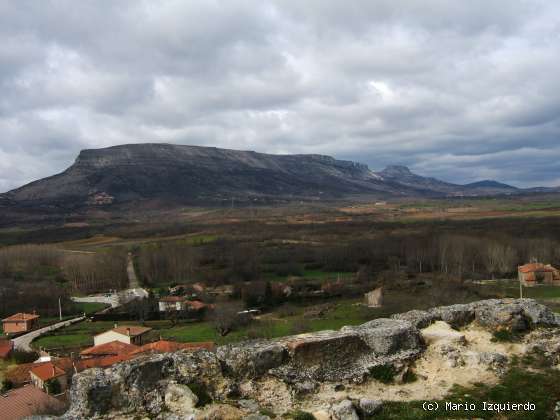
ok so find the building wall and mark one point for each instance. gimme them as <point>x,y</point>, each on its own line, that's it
<point>35,380</point>
<point>138,340</point>
<point>170,306</point>
<point>17,326</point>
<point>109,336</point>
<point>538,277</point>
<point>39,383</point>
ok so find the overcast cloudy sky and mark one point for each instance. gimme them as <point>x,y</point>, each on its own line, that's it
<point>460,90</point>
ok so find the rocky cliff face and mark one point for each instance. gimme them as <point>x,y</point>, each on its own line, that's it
<point>189,174</point>
<point>303,370</point>
<point>176,174</point>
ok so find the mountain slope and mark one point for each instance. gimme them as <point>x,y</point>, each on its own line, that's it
<point>403,176</point>
<point>168,174</point>
<point>186,174</point>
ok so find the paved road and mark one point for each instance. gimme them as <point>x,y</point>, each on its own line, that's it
<point>133,282</point>
<point>106,298</point>
<point>23,342</point>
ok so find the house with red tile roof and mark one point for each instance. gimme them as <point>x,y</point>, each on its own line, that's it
<point>128,334</point>
<point>164,346</point>
<point>197,305</point>
<point>20,322</point>
<point>19,375</point>
<point>28,401</point>
<point>46,372</point>
<point>535,273</point>
<point>112,348</point>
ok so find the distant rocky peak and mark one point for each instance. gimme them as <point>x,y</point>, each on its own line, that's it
<point>395,170</point>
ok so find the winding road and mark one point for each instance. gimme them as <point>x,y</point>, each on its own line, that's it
<point>23,342</point>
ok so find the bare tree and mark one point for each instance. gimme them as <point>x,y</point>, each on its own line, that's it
<point>225,317</point>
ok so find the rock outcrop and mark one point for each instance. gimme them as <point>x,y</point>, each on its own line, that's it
<point>163,385</point>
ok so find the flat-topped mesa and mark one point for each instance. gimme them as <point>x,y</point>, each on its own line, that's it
<point>300,362</point>
<point>173,174</point>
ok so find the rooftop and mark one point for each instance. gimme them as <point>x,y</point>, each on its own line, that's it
<point>197,304</point>
<point>21,316</point>
<point>130,330</point>
<point>102,362</point>
<point>19,374</point>
<point>531,267</point>
<point>27,401</point>
<point>164,346</point>
<point>47,371</point>
<point>173,299</point>
<point>111,348</point>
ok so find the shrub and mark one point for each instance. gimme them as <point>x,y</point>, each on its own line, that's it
<point>409,377</point>
<point>267,412</point>
<point>504,336</point>
<point>6,385</point>
<point>287,310</point>
<point>383,373</point>
<point>202,394</point>
<point>22,356</point>
<point>301,415</point>
<point>52,386</point>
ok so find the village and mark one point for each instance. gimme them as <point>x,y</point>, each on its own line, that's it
<point>42,385</point>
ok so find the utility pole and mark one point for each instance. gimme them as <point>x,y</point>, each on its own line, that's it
<point>59,308</point>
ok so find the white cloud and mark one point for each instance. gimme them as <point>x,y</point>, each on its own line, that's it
<point>458,90</point>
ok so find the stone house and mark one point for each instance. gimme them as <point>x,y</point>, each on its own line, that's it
<point>533,274</point>
<point>20,322</point>
<point>41,375</point>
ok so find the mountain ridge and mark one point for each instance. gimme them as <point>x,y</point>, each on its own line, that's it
<point>182,174</point>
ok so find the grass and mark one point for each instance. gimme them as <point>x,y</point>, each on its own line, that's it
<point>519,385</point>
<point>64,341</point>
<point>299,415</point>
<point>100,243</point>
<point>504,336</point>
<point>308,275</point>
<point>549,295</point>
<point>89,307</point>
<point>344,313</point>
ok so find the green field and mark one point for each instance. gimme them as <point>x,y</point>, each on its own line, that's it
<point>548,295</point>
<point>89,307</point>
<point>311,275</point>
<point>345,312</point>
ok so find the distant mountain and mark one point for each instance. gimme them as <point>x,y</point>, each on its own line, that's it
<point>165,174</point>
<point>403,176</point>
<point>190,174</point>
<point>490,184</point>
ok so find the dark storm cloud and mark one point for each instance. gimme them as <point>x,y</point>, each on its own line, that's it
<point>458,90</point>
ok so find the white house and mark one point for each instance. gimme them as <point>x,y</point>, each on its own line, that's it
<point>126,334</point>
<point>172,303</point>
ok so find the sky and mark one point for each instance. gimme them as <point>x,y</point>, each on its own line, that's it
<point>459,90</point>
